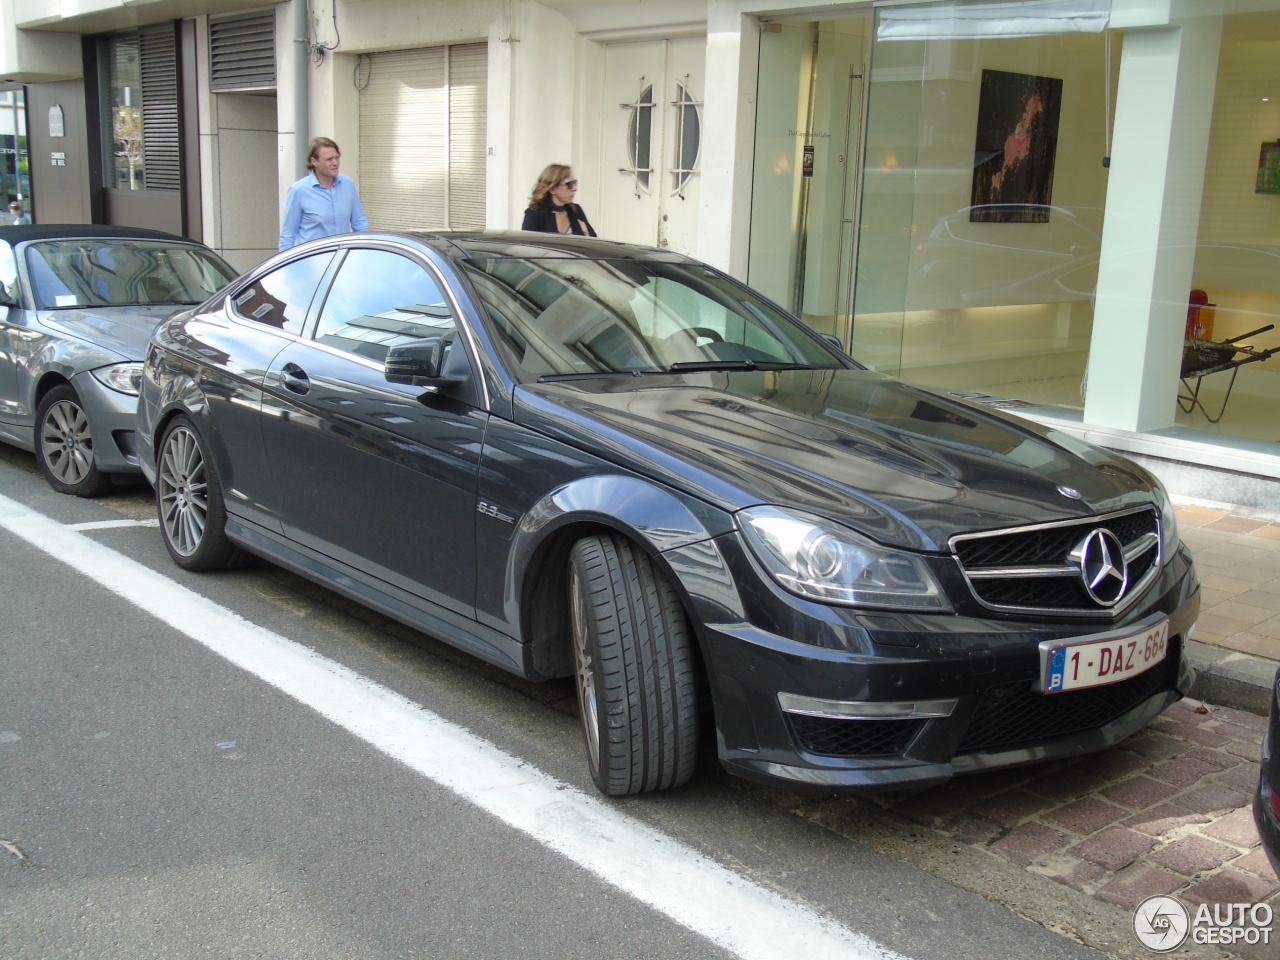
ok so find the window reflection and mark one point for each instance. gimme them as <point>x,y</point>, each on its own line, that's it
<point>583,317</point>
<point>381,300</point>
<point>282,297</point>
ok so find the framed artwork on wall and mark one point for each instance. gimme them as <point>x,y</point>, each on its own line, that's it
<point>1015,147</point>
<point>1268,168</point>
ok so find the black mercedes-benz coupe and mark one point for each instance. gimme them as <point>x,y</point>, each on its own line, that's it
<point>573,457</point>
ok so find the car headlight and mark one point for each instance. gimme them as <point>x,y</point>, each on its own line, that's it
<point>824,561</point>
<point>1168,521</point>
<point>124,377</point>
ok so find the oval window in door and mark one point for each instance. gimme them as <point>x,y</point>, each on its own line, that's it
<point>688,137</point>
<point>640,137</point>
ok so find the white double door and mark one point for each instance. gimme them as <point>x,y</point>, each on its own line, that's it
<point>652,142</point>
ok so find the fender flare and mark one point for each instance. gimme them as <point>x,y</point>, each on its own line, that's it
<point>657,518</point>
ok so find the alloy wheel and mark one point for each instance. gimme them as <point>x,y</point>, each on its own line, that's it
<point>182,491</point>
<point>584,672</point>
<point>66,443</point>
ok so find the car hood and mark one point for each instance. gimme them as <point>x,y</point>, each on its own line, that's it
<point>904,465</point>
<point>120,330</point>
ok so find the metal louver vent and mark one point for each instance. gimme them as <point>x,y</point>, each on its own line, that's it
<point>242,52</point>
<point>158,59</point>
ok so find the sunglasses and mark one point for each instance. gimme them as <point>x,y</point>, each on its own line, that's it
<point>571,184</point>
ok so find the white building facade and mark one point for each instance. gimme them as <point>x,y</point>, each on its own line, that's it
<point>1031,201</point>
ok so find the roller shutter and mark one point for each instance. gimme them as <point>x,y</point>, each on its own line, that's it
<point>422,137</point>
<point>158,60</point>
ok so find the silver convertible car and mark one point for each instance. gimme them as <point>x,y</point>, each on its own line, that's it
<point>77,306</point>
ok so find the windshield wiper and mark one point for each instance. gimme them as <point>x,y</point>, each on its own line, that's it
<point>685,366</point>
<point>695,365</point>
<point>594,375</point>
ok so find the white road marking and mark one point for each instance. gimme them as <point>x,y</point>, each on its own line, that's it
<point>731,911</point>
<point>112,524</point>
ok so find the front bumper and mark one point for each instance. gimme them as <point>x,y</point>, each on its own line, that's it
<point>892,701</point>
<point>113,418</point>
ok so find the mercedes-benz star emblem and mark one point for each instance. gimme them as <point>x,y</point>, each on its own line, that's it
<point>1071,493</point>
<point>1102,566</point>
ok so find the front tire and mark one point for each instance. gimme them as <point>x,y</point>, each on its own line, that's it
<point>64,445</point>
<point>193,518</point>
<point>634,669</point>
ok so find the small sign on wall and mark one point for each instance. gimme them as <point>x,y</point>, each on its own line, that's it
<point>806,162</point>
<point>56,126</point>
<point>58,159</point>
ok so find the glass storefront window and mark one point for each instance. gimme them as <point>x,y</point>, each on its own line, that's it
<point>982,213</point>
<point>15,159</point>
<point>805,186</point>
<point>122,115</point>
<point>1235,274</point>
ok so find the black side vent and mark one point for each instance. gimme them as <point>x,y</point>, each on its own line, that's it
<point>242,52</point>
<point>158,60</point>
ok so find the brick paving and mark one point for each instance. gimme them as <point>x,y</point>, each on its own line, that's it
<point>1165,812</point>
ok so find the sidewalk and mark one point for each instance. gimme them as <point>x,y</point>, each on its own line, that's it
<point>1236,644</point>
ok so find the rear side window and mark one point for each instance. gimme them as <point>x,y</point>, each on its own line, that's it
<point>282,297</point>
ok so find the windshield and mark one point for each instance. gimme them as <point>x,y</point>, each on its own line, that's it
<point>104,273</point>
<point>564,318</point>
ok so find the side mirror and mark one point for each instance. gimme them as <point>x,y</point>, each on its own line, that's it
<point>419,364</point>
<point>7,299</point>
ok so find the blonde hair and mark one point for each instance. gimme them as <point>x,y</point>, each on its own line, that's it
<point>550,178</point>
<point>315,146</point>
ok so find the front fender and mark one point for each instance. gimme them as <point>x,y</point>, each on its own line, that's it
<point>535,583</point>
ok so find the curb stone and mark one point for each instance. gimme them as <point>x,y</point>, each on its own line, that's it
<point>1229,678</point>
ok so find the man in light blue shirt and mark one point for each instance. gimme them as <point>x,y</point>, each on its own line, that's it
<point>322,203</point>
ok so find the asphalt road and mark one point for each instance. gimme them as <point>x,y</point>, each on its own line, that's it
<point>246,765</point>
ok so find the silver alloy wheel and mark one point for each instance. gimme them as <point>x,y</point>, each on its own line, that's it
<point>182,491</point>
<point>584,673</point>
<point>66,443</point>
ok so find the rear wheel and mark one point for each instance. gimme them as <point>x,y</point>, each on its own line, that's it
<point>634,668</point>
<point>64,445</point>
<point>193,519</point>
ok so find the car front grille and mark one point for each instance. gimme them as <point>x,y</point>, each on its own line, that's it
<point>1015,713</point>
<point>841,737</point>
<point>1032,570</point>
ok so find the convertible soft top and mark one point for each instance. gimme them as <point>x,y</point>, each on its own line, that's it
<point>66,231</point>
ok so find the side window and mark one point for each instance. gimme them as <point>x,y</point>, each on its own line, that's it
<point>281,298</point>
<point>380,300</point>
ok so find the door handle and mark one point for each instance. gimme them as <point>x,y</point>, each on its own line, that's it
<point>294,378</point>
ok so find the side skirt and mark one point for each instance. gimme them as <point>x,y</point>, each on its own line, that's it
<point>465,634</point>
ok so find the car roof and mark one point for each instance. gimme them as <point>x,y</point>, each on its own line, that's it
<point>524,244</point>
<point>69,231</point>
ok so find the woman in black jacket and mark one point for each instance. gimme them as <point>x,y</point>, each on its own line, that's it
<point>551,208</point>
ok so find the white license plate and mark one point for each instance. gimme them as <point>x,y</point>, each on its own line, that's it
<point>1093,663</point>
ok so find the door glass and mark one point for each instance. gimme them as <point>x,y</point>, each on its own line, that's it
<point>381,300</point>
<point>688,138</point>
<point>282,297</point>
<point>639,136</point>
